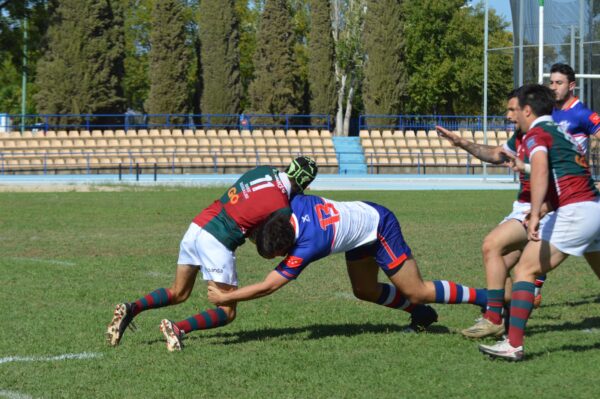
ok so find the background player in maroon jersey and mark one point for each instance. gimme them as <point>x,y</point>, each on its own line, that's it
<point>502,246</point>
<point>209,245</point>
<point>559,174</point>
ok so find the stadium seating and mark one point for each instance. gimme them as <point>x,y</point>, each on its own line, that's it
<point>168,148</point>
<point>412,150</point>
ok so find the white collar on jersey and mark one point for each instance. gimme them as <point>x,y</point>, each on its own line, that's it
<point>543,118</point>
<point>285,179</point>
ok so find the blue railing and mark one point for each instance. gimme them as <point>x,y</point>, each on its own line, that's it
<point>47,122</point>
<point>428,122</point>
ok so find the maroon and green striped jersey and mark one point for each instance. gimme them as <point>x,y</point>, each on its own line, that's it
<point>515,146</point>
<point>246,204</point>
<point>570,176</point>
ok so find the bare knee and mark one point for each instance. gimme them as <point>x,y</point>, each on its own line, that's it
<point>490,247</point>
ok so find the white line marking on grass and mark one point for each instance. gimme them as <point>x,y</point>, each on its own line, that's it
<point>67,356</point>
<point>13,395</point>
<point>41,260</point>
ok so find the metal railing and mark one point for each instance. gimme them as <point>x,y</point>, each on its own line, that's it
<point>47,122</point>
<point>428,122</point>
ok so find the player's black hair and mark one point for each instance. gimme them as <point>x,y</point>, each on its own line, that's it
<point>540,98</point>
<point>514,93</point>
<point>275,236</point>
<point>564,69</point>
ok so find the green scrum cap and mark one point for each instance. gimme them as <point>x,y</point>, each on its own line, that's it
<point>303,171</point>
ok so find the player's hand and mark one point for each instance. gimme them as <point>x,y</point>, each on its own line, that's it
<point>216,296</point>
<point>448,135</point>
<point>533,226</point>
<point>513,162</point>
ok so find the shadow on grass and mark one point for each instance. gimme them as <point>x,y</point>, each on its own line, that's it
<point>586,324</point>
<point>315,331</point>
<point>564,348</point>
<point>586,300</point>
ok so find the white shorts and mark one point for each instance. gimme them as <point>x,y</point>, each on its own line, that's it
<point>200,248</point>
<point>519,211</point>
<point>574,229</point>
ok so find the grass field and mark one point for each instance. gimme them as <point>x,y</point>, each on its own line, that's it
<point>67,258</point>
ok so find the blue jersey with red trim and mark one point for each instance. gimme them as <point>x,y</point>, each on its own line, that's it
<point>324,227</point>
<point>577,120</point>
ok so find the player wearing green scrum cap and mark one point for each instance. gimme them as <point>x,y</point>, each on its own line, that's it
<point>209,245</point>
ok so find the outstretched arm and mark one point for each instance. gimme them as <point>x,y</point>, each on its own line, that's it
<point>487,153</point>
<point>271,283</point>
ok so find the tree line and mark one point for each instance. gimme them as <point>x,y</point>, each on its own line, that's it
<point>339,57</point>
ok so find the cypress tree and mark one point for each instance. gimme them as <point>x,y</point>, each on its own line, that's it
<point>275,86</point>
<point>321,53</point>
<point>385,79</point>
<point>220,56</point>
<point>170,59</point>
<point>82,69</point>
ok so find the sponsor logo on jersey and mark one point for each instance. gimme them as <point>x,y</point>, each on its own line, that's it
<point>306,219</point>
<point>293,261</point>
<point>595,118</point>
<point>564,126</point>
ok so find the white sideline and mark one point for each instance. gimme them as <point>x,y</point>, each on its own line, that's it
<point>41,260</point>
<point>13,395</point>
<point>67,356</point>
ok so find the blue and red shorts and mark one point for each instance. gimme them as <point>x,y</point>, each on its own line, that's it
<point>389,250</point>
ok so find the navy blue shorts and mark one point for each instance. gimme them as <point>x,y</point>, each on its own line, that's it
<point>390,250</point>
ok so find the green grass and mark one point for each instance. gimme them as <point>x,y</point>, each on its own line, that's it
<point>67,258</point>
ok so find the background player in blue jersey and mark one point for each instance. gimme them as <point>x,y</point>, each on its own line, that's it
<point>371,237</point>
<point>570,113</point>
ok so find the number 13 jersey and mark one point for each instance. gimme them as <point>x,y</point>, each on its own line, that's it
<point>324,227</point>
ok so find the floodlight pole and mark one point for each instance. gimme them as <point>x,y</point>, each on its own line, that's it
<point>521,5</point>
<point>485,79</point>
<point>581,40</point>
<point>24,77</point>
<point>541,43</point>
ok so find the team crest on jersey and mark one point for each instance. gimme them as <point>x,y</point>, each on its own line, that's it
<point>595,118</point>
<point>293,261</point>
<point>530,143</point>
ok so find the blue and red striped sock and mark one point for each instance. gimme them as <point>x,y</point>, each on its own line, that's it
<point>494,306</point>
<point>210,318</point>
<point>520,308</point>
<point>539,282</point>
<point>391,298</point>
<point>450,292</point>
<point>156,299</point>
